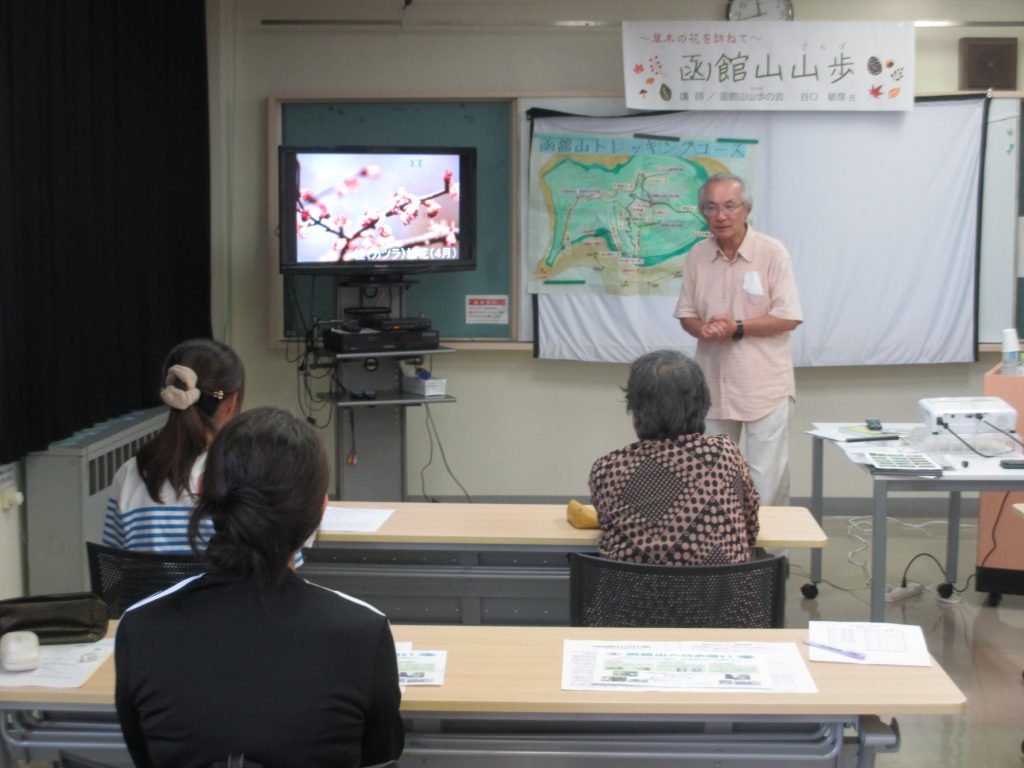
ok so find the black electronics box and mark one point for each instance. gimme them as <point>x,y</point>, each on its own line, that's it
<point>398,323</point>
<point>345,342</point>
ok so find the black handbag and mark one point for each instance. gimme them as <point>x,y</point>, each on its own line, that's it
<point>76,617</point>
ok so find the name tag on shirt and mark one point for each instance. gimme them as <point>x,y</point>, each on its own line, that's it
<point>752,284</point>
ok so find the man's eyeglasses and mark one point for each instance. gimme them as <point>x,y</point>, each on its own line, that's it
<point>712,209</point>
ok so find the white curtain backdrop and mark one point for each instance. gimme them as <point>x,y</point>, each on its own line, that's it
<point>879,213</point>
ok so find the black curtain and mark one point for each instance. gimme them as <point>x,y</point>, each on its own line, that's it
<point>104,207</point>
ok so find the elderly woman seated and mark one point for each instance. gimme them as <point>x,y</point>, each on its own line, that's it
<point>676,496</point>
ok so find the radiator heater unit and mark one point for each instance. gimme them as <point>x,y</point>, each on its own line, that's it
<point>66,492</point>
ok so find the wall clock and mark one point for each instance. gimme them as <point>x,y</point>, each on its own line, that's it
<point>760,10</point>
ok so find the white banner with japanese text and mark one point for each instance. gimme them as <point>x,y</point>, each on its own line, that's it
<point>772,65</point>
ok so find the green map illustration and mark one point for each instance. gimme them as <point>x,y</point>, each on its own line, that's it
<point>620,221</point>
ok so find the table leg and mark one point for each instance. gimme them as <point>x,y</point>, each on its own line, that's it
<point>817,500</point>
<point>953,537</point>
<point>878,534</point>
<point>339,436</point>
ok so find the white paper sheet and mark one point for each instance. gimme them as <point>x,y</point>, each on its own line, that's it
<point>684,666</point>
<point>354,519</point>
<point>893,644</point>
<point>67,665</point>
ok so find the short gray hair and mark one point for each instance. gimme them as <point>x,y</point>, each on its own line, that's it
<point>745,196</point>
<point>667,395</point>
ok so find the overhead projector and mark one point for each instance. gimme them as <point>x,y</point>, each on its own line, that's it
<point>966,415</point>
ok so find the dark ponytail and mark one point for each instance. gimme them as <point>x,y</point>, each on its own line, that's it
<point>219,373</point>
<point>263,490</point>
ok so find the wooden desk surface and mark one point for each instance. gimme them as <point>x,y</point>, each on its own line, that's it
<point>506,669</point>
<point>518,669</point>
<point>536,524</point>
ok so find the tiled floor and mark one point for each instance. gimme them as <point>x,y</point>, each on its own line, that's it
<point>981,647</point>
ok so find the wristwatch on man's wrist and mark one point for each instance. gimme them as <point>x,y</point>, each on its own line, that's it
<point>739,331</point>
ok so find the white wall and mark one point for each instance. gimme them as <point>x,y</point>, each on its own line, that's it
<point>10,535</point>
<point>521,427</point>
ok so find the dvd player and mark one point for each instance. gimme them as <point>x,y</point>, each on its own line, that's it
<point>398,323</point>
<point>346,342</point>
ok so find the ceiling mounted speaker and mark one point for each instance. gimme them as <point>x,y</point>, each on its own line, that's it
<point>988,62</point>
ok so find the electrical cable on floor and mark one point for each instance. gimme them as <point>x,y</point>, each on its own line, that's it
<point>853,531</point>
<point>924,526</point>
<point>981,564</point>
<point>859,527</point>
<point>430,457</point>
<point>444,459</point>
<point>851,591</point>
<point>903,580</point>
<point>352,458</point>
<point>949,599</point>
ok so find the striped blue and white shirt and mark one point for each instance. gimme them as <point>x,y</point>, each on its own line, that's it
<point>137,522</point>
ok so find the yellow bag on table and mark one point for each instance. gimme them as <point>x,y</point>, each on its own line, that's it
<point>581,515</point>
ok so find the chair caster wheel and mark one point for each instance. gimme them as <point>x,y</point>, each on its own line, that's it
<point>810,591</point>
<point>993,599</point>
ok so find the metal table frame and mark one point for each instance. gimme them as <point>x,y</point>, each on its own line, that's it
<point>517,740</point>
<point>419,582</point>
<point>952,482</point>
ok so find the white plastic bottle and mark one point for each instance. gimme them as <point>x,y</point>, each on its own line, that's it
<point>1011,352</point>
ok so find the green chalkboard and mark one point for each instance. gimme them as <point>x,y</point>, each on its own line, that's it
<point>486,125</point>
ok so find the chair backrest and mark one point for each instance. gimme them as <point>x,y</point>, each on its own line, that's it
<point>612,593</point>
<point>123,577</point>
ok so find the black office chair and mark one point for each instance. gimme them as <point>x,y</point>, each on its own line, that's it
<point>611,593</point>
<point>122,577</point>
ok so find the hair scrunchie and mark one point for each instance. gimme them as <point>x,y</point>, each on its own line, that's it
<point>176,398</point>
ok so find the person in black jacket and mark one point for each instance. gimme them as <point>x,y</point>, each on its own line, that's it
<point>249,659</point>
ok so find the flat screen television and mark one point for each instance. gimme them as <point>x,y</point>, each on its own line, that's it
<point>377,212</point>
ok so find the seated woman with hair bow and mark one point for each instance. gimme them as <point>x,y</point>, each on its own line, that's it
<point>153,494</point>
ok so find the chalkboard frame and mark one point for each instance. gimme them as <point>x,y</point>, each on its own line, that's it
<point>487,123</point>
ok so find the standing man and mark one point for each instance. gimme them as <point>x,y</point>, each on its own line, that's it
<point>739,301</point>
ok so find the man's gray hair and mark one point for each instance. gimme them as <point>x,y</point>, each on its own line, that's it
<point>667,395</point>
<point>745,196</point>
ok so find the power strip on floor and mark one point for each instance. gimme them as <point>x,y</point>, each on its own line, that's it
<point>892,594</point>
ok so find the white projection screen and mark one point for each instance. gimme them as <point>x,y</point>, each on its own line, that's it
<point>879,212</point>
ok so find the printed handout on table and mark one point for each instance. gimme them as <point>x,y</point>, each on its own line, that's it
<point>67,665</point>
<point>421,667</point>
<point>684,666</point>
